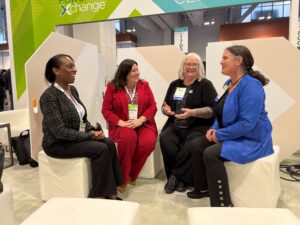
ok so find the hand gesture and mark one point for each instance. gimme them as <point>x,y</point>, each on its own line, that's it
<point>123,123</point>
<point>166,109</point>
<point>186,113</point>
<point>98,135</point>
<point>135,123</point>
<point>209,135</point>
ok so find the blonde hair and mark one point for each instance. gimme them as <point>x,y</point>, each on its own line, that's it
<point>201,71</point>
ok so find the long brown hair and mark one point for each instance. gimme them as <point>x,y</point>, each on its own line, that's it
<point>248,62</point>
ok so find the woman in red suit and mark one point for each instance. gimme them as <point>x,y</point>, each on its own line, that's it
<point>129,109</point>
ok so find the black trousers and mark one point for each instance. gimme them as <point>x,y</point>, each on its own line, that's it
<point>176,145</point>
<point>105,167</point>
<point>209,172</point>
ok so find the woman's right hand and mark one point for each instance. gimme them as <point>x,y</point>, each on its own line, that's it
<point>166,109</point>
<point>209,134</point>
<point>123,123</point>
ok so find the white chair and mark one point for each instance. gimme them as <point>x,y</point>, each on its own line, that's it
<point>240,216</point>
<point>18,120</point>
<point>7,215</point>
<point>255,184</point>
<point>64,177</point>
<point>79,211</point>
<point>153,165</point>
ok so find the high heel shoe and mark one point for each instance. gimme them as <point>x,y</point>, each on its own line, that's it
<point>122,188</point>
<point>132,182</point>
<point>114,197</point>
<point>197,194</point>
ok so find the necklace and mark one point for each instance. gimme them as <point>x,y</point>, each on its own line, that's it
<point>235,83</point>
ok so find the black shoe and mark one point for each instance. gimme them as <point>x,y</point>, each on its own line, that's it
<point>181,187</point>
<point>171,184</point>
<point>197,194</point>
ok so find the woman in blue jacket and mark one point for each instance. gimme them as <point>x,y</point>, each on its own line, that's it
<point>241,132</point>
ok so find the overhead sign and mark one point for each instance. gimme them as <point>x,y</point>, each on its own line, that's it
<point>33,20</point>
<point>181,38</point>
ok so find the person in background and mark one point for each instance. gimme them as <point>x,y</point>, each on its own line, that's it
<point>241,132</point>
<point>129,109</point>
<point>2,90</point>
<point>8,87</point>
<point>68,133</point>
<point>188,105</point>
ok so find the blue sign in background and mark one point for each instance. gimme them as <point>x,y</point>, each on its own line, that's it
<point>183,5</point>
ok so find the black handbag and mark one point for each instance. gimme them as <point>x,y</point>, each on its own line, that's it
<point>21,146</point>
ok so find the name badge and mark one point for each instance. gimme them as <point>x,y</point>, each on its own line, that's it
<point>82,126</point>
<point>179,93</point>
<point>133,111</point>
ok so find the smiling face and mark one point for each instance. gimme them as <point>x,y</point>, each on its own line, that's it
<point>190,68</point>
<point>230,63</point>
<point>66,72</point>
<point>133,76</point>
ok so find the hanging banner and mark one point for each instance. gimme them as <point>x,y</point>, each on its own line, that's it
<point>33,20</point>
<point>181,38</point>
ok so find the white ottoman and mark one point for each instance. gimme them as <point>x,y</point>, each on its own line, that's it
<point>240,216</point>
<point>81,211</point>
<point>7,215</point>
<point>64,177</point>
<point>255,184</point>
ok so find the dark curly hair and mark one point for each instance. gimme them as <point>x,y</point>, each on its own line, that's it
<point>54,62</point>
<point>248,62</point>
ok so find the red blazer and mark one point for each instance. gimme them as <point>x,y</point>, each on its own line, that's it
<point>115,106</point>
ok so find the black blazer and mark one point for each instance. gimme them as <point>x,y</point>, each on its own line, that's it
<point>202,94</point>
<point>61,121</point>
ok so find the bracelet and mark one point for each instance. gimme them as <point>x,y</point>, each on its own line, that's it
<point>143,121</point>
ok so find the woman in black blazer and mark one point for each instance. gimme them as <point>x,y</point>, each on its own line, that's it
<point>68,133</point>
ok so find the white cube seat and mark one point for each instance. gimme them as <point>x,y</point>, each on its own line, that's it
<point>153,164</point>
<point>7,215</point>
<point>64,177</point>
<point>18,120</point>
<point>79,211</point>
<point>255,184</point>
<point>240,216</point>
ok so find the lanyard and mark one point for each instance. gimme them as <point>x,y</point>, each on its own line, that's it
<point>131,96</point>
<point>77,105</point>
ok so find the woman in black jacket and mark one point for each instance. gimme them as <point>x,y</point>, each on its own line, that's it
<point>188,105</point>
<point>68,133</point>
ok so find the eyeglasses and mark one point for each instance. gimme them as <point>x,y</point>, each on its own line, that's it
<point>191,64</point>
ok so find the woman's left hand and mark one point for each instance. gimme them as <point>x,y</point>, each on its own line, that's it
<point>99,135</point>
<point>214,138</point>
<point>186,114</point>
<point>135,123</point>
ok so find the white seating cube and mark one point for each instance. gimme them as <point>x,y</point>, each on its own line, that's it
<point>64,177</point>
<point>240,216</point>
<point>255,184</point>
<point>80,211</point>
<point>153,164</point>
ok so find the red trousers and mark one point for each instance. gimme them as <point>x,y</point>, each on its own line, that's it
<point>134,147</point>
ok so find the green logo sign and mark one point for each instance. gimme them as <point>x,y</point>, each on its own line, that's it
<point>71,7</point>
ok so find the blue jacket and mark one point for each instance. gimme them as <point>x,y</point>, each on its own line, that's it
<point>246,134</point>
